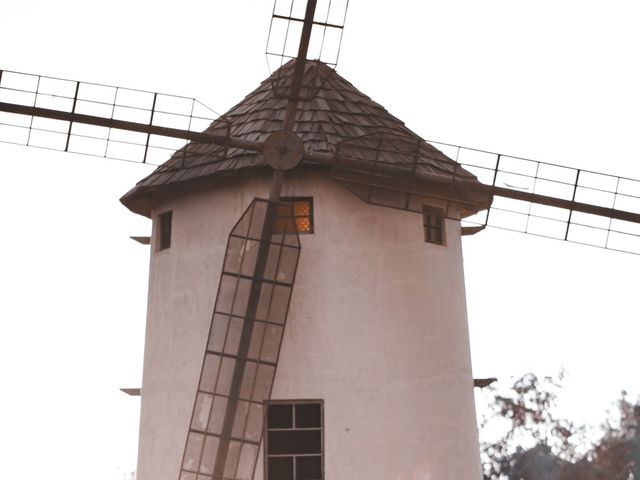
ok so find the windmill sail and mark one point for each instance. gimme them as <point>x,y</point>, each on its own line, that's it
<point>243,344</point>
<point>285,31</point>
<point>555,201</point>
<point>79,117</point>
<point>529,196</point>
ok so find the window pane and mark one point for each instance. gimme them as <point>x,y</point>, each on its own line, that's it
<point>256,340</point>
<point>218,332</point>
<point>279,416</point>
<point>232,459</point>
<point>235,250</point>
<point>217,414</point>
<point>201,412</point>
<point>249,257</point>
<point>282,442</point>
<point>280,468</point>
<point>226,375</point>
<point>264,379</point>
<point>226,293</point>
<point>303,224</point>
<point>309,468</point>
<point>302,208</point>
<point>287,264</point>
<point>165,231</point>
<point>308,415</point>
<point>248,457</point>
<point>264,301</point>
<point>209,372</point>
<point>248,378</point>
<point>254,422</point>
<point>273,259</point>
<point>279,304</point>
<point>233,336</point>
<point>240,420</point>
<point>271,344</point>
<point>209,454</point>
<point>242,297</point>
<point>193,451</point>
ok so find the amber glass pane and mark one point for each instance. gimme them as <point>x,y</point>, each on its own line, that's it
<point>303,224</point>
<point>302,208</point>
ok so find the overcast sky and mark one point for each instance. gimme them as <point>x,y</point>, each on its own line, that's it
<point>556,81</point>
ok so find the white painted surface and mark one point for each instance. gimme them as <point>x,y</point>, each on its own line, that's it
<point>377,329</point>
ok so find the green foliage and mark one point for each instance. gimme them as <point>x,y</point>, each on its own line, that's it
<point>531,442</point>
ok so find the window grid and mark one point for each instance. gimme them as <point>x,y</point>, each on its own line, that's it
<point>293,465</point>
<point>302,212</point>
<point>433,221</point>
<point>164,230</point>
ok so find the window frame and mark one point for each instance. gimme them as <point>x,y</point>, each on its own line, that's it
<point>291,200</point>
<point>164,237</point>
<point>433,223</point>
<point>266,430</point>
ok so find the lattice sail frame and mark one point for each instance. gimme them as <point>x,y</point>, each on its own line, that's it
<point>105,102</point>
<point>285,31</point>
<point>507,172</point>
<point>394,171</point>
<point>243,345</point>
<point>285,35</point>
<point>386,170</point>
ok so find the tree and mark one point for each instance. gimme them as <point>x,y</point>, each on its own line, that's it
<point>533,443</point>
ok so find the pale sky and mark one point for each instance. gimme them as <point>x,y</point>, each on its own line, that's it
<point>556,81</point>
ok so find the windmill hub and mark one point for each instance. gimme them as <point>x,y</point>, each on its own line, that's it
<point>283,150</point>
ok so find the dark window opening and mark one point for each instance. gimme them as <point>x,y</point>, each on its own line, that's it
<point>164,230</point>
<point>302,208</point>
<point>294,441</point>
<point>433,221</point>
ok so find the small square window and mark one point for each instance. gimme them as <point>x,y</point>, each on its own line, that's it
<point>433,221</point>
<point>294,440</point>
<point>164,230</point>
<point>302,212</point>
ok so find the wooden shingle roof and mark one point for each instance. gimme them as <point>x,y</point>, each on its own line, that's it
<point>337,111</point>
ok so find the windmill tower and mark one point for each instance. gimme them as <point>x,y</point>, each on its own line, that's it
<point>376,338</point>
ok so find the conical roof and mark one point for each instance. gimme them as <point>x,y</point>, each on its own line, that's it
<point>335,112</point>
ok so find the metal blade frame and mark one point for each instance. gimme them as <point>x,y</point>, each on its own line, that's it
<point>243,345</point>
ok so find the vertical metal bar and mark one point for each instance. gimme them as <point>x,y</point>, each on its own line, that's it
<point>35,100</point>
<point>613,207</point>
<point>73,110</point>
<point>573,198</point>
<point>153,111</point>
<point>113,111</point>
<point>533,190</point>
<point>493,184</point>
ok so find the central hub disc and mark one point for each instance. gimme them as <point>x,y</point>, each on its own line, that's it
<point>283,150</point>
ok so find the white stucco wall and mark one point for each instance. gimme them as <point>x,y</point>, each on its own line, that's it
<point>377,329</point>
